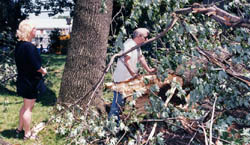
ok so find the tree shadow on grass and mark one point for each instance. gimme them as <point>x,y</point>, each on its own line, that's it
<point>48,98</point>
<point>5,91</point>
<point>12,103</point>
<point>8,93</point>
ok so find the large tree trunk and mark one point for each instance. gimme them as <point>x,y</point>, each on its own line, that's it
<point>87,52</point>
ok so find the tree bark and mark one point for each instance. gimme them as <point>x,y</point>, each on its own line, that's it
<point>87,52</point>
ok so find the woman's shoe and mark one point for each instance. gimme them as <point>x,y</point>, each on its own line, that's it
<point>30,137</point>
<point>19,133</point>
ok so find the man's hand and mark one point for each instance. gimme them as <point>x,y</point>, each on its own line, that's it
<point>152,70</point>
<point>134,75</point>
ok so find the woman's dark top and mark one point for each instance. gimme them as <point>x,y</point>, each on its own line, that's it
<point>28,61</point>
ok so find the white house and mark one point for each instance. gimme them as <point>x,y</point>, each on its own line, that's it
<point>44,28</point>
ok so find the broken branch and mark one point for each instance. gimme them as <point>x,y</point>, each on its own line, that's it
<point>217,14</point>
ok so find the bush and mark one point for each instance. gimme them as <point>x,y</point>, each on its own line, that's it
<point>59,43</point>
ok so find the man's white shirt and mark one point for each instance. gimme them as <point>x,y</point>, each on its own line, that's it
<point>121,72</point>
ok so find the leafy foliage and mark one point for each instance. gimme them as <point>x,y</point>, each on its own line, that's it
<point>7,64</point>
<point>58,42</point>
<point>167,53</point>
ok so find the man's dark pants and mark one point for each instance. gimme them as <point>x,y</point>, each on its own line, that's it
<point>117,104</point>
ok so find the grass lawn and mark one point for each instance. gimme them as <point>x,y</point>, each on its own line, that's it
<point>10,105</point>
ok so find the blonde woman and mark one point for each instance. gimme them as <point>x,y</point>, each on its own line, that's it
<point>30,72</point>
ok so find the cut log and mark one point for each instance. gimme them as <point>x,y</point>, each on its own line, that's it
<point>142,84</point>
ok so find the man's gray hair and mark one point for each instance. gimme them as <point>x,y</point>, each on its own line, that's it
<point>139,31</point>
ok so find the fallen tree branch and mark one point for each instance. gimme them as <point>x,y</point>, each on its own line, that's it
<point>94,89</point>
<point>193,129</point>
<point>220,63</point>
<point>217,14</point>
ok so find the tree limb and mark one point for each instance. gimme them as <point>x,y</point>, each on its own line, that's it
<point>220,63</point>
<point>217,14</point>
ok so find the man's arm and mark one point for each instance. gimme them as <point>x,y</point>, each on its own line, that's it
<point>126,59</point>
<point>145,65</point>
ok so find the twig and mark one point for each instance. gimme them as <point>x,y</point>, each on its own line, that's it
<point>202,119</point>
<point>154,93</point>
<point>138,139</point>
<point>205,134</point>
<point>152,133</point>
<point>211,123</point>
<point>92,95</point>
<point>165,120</point>
<point>171,91</point>
<point>192,138</point>
<point>113,19</point>
<point>121,138</point>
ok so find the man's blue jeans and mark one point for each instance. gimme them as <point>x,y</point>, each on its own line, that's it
<point>117,103</point>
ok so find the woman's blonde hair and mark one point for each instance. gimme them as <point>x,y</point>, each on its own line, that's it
<point>24,30</point>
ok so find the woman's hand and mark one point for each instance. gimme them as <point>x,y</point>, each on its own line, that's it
<point>43,71</point>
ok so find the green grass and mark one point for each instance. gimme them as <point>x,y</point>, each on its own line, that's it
<point>10,105</point>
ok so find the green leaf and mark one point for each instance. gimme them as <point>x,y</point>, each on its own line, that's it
<point>238,39</point>
<point>222,75</point>
<point>181,30</point>
<point>248,117</point>
<point>150,12</point>
<point>119,41</point>
<point>146,81</point>
<point>147,2</point>
<point>155,88</point>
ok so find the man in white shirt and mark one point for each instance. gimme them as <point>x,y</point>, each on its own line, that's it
<point>127,67</point>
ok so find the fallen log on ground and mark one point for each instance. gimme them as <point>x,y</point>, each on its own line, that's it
<point>142,84</point>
